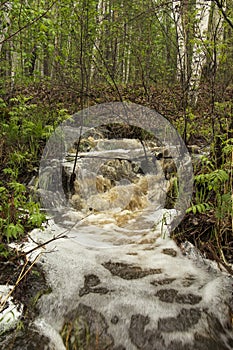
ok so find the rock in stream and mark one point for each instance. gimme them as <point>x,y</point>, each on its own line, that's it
<point>118,280</point>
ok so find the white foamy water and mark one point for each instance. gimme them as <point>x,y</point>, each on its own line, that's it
<point>118,270</point>
<point>119,282</point>
<point>116,200</point>
<point>69,261</point>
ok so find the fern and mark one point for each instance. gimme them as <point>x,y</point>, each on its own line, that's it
<point>199,208</point>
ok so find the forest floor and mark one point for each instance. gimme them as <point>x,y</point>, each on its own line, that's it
<point>205,122</point>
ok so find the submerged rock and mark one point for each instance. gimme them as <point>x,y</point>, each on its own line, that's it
<point>118,280</point>
<point>26,339</point>
<point>85,328</point>
<point>139,296</point>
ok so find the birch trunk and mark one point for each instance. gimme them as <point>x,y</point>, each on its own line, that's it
<point>203,11</point>
<point>207,32</point>
<point>182,64</point>
<point>14,60</point>
<point>126,54</point>
<point>5,21</point>
<point>101,10</point>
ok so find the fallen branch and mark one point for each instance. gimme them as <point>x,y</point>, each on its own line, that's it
<point>61,235</point>
<point>218,260</point>
<point>22,274</point>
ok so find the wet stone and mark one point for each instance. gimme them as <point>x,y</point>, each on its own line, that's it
<point>165,281</point>
<point>90,281</point>
<point>215,324</point>
<point>186,319</point>
<point>213,343</point>
<point>189,298</point>
<point>127,271</point>
<point>200,343</point>
<point>172,296</point>
<point>144,339</point>
<point>28,339</point>
<point>118,169</point>
<point>100,290</point>
<point>178,345</point>
<point>169,251</point>
<point>167,295</point>
<point>114,319</point>
<point>188,281</point>
<point>230,342</point>
<point>83,326</point>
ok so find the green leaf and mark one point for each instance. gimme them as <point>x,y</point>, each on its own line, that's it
<point>199,208</point>
<point>14,231</point>
<point>36,219</point>
<point>17,187</point>
<point>4,251</point>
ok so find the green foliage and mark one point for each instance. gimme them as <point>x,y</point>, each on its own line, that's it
<point>228,147</point>
<point>24,128</point>
<point>19,214</point>
<point>90,42</point>
<point>4,252</point>
<point>213,188</point>
<point>212,180</point>
<point>199,208</point>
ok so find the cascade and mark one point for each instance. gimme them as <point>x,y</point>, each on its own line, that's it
<point>118,280</point>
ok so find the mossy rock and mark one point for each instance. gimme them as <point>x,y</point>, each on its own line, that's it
<point>86,329</point>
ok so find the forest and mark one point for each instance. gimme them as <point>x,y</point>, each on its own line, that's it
<point>174,56</point>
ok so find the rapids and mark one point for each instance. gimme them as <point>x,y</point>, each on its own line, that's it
<point>116,200</point>
<point>119,282</point>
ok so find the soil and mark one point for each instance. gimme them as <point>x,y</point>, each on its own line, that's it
<point>198,229</point>
<point>27,292</point>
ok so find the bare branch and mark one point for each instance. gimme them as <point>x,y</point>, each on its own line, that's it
<point>227,19</point>
<point>22,274</point>
<point>29,24</point>
<point>61,235</point>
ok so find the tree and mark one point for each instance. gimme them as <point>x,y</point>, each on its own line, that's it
<point>5,9</point>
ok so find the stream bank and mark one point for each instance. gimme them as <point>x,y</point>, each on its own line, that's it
<point>117,279</point>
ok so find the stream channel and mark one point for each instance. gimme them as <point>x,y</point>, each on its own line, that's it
<point>118,280</point>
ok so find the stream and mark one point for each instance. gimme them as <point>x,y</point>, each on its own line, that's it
<point>118,280</point>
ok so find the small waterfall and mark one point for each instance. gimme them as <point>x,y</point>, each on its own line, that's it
<point>118,281</point>
<point>119,190</point>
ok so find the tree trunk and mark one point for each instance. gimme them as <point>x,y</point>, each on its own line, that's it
<point>203,10</point>
<point>197,39</point>
<point>5,22</point>
<point>100,12</point>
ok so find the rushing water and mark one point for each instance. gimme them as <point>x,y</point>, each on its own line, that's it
<point>116,200</point>
<point>118,281</point>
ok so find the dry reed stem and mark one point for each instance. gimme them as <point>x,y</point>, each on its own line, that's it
<point>22,274</point>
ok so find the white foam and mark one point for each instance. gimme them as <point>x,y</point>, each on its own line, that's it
<point>10,313</point>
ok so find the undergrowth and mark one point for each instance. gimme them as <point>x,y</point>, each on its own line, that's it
<point>208,223</point>
<point>25,126</point>
<point>29,116</point>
